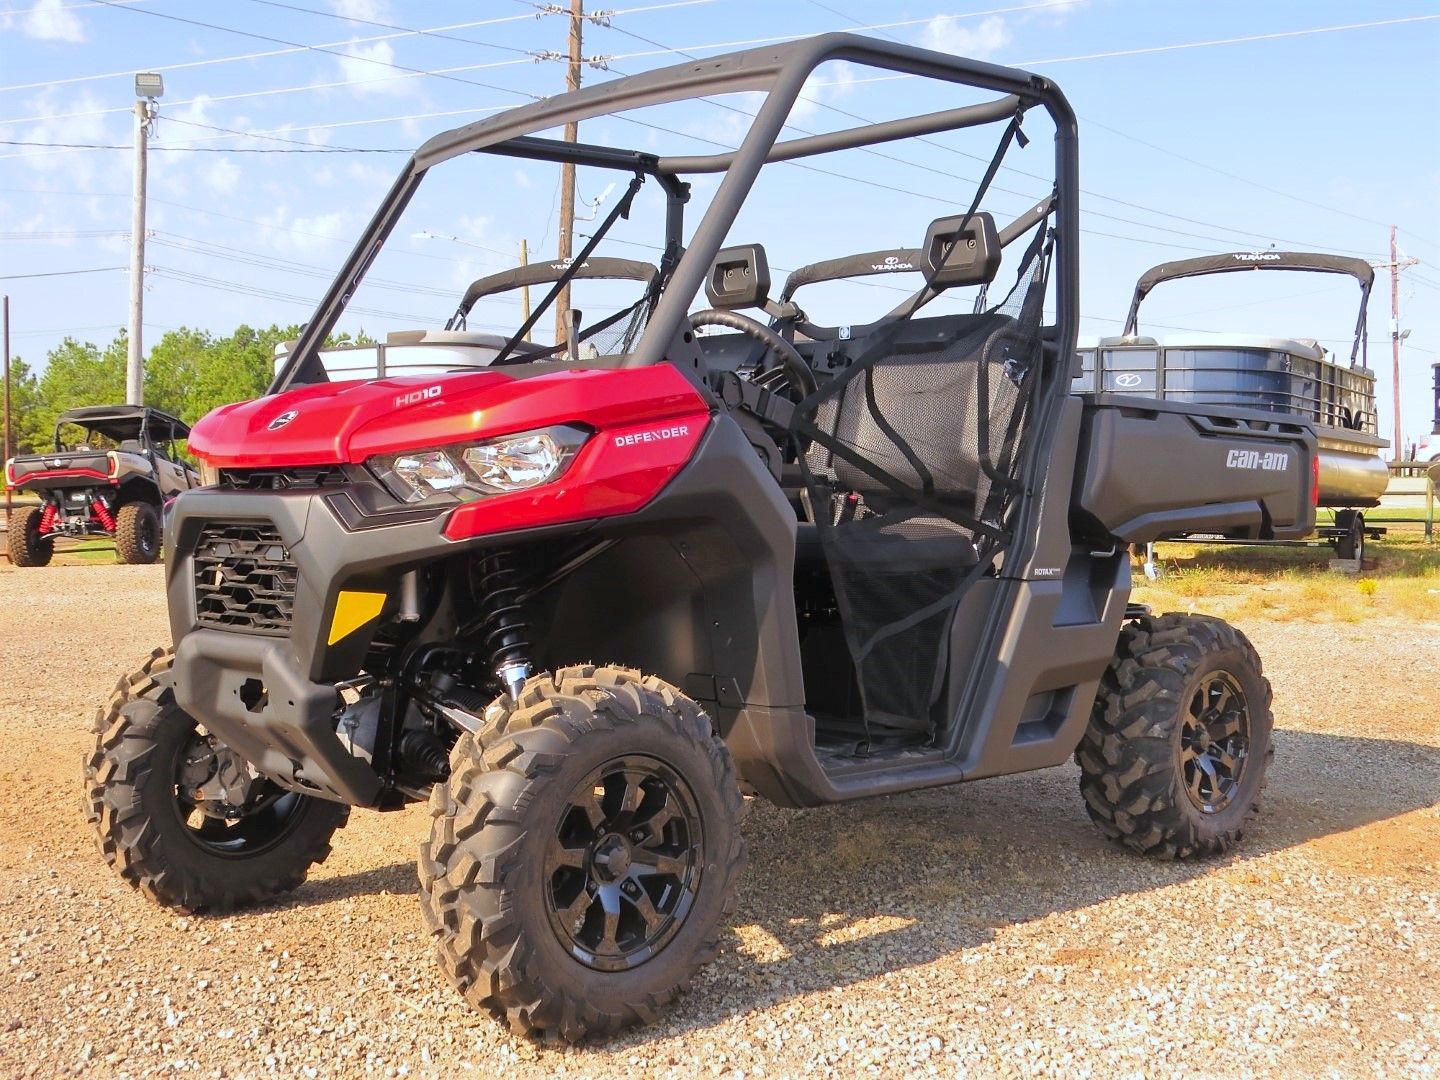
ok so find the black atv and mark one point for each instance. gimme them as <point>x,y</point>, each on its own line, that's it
<point>580,597</point>
<point>113,469</point>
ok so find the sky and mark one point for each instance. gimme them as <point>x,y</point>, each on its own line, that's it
<point>1204,128</point>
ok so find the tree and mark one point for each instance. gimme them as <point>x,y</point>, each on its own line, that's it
<point>28,435</point>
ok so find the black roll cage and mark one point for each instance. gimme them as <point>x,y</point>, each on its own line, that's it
<point>1235,262</point>
<point>120,422</point>
<point>781,72</point>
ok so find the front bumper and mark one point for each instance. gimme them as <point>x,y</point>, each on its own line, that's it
<point>270,693</point>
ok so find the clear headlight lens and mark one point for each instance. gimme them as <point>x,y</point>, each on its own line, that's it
<point>468,471</point>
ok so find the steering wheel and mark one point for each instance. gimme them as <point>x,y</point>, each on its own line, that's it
<point>797,372</point>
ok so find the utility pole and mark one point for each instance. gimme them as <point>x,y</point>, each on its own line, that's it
<point>9,448</point>
<point>1396,264</point>
<point>525,290</point>
<point>567,169</point>
<point>148,87</point>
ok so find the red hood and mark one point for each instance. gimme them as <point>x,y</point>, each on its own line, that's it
<point>350,421</point>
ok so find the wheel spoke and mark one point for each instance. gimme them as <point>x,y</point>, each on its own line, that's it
<point>1224,698</point>
<point>574,912</point>
<point>654,825</point>
<point>1226,760</point>
<point>561,856</point>
<point>649,863</point>
<point>641,902</point>
<point>594,813</point>
<point>634,793</point>
<point>1226,726</point>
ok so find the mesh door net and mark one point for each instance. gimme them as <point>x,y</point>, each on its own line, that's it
<point>911,474</point>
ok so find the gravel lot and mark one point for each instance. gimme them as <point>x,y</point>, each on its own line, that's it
<point>977,931</point>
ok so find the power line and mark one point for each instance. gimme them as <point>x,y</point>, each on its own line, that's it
<point>203,149</point>
<point>60,273</point>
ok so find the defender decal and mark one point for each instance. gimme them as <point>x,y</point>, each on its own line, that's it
<point>676,431</point>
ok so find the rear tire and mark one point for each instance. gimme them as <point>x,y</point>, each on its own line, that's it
<point>142,742</point>
<point>23,540</point>
<point>1174,759</point>
<point>584,852</point>
<point>137,533</point>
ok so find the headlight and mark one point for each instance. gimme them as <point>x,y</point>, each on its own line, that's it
<point>468,471</point>
<point>209,475</point>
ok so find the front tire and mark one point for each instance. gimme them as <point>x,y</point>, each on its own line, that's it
<point>23,540</point>
<point>1174,759</point>
<point>137,533</point>
<point>148,755</point>
<point>584,853</point>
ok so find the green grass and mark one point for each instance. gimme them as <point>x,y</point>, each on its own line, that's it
<point>1296,583</point>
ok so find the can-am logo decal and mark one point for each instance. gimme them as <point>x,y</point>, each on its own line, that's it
<point>657,435</point>
<point>1256,256</point>
<point>416,396</point>
<point>1127,380</point>
<point>281,420</point>
<point>1273,461</point>
<point>892,262</point>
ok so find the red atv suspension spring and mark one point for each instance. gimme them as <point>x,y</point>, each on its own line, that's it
<point>47,518</point>
<point>102,512</point>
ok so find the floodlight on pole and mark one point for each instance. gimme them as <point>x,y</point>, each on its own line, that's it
<point>149,85</point>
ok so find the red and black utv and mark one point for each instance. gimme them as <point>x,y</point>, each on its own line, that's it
<point>584,599</point>
<point>113,469</point>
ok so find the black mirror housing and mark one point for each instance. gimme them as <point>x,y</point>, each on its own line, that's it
<point>739,278</point>
<point>962,256</point>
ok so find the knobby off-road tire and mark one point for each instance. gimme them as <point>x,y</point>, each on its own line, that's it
<point>137,533</point>
<point>1141,769</point>
<point>514,846</point>
<point>24,542</point>
<point>141,740</point>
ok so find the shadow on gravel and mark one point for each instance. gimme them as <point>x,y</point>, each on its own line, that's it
<point>397,878</point>
<point>841,894</point>
<point>837,895</point>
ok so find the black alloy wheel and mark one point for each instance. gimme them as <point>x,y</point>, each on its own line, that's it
<point>1214,742</point>
<point>623,868</point>
<point>262,821</point>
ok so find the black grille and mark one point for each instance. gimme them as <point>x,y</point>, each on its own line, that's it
<point>299,477</point>
<point>244,579</point>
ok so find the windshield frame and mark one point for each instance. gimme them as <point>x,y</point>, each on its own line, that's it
<point>778,71</point>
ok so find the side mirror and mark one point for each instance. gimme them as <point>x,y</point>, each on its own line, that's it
<point>956,256</point>
<point>739,278</point>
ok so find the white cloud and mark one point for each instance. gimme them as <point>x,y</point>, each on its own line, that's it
<point>951,34</point>
<point>48,20</point>
<point>222,176</point>
<point>371,10</point>
<point>364,67</point>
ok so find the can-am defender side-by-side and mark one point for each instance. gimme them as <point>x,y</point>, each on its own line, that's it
<point>581,603</point>
<point>112,471</point>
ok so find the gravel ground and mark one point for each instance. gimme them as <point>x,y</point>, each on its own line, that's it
<point>977,931</point>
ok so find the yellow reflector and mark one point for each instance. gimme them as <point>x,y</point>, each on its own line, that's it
<point>352,611</point>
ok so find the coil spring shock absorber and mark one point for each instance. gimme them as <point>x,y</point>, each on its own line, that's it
<point>500,588</point>
<point>47,518</point>
<point>102,512</point>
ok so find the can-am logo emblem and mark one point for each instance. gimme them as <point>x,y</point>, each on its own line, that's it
<point>1273,461</point>
<point>283,419</point>
<point>56,462</point>
<point>1128,380</point>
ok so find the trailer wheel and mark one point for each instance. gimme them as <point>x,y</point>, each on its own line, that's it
<point>1350,544</point>
<point>23,540</point>
<point>1174,759</point>
<point>137,533</point>
<point>583,854</point>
